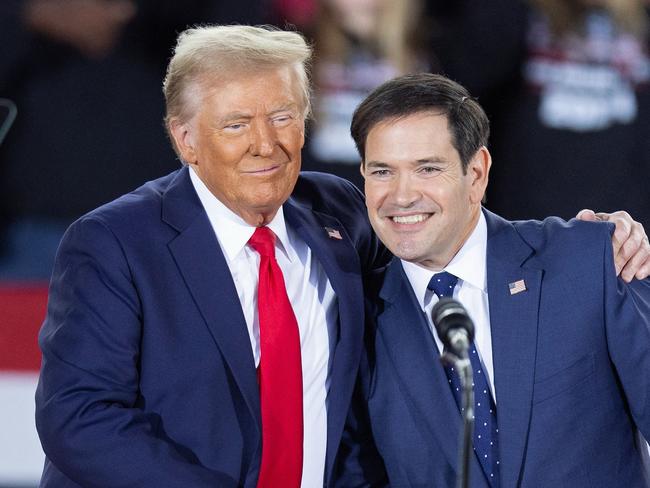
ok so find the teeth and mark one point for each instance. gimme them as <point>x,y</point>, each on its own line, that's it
<point>409,219</point>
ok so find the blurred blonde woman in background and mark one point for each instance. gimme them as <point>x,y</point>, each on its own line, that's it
<point>359,44</point>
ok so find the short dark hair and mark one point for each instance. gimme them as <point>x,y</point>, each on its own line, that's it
<point>424,92</point>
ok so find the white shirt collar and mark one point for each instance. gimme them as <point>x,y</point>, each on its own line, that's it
<point>469,265</point>
<point>232,231</point>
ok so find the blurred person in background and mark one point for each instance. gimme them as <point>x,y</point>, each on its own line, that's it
<point>358,45</point>
<point>85,76</point>
<point>572,126</point>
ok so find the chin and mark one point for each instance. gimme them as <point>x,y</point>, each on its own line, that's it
<point>269,203</point>
<point>405,250</point>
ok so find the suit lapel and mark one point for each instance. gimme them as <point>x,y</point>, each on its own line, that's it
<point>341,264</point>
<point>405,332</point>
<point>206,274</point>
<point>513,323</point>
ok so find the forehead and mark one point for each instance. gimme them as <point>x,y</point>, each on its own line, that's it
<point>249,91</point>
<point>416,136</point>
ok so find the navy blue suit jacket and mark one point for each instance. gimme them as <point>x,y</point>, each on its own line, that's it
<point>148,378</point>
<point>571,370</point>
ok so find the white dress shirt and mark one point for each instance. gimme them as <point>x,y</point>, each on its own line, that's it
<point>469,265</point>
<point>312,299</point>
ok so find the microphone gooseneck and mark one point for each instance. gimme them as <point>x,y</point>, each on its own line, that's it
<point>453,325</point>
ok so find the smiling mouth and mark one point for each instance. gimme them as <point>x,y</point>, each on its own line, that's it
<point>263,171</point>
<point>410,219</point>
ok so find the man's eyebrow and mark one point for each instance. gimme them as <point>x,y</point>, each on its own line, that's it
<point>284,108</point>
<point>229,117</point>
<point>377,164</point>
<point>432,159</point>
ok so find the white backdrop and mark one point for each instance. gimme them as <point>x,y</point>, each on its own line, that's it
<point>21,457</point>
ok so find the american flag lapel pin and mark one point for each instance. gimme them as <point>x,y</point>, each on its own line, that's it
<point>333,233</point>
<point>517,287</point>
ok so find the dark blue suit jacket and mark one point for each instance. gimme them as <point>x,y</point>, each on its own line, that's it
<point>148,378</point>
<point>571,369</point>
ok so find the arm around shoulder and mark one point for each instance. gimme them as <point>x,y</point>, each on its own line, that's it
<point>627,309</point>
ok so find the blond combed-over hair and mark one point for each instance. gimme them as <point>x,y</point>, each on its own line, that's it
<point>205,53</point>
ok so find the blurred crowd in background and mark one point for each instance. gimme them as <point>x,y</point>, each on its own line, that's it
<point>566,84</point>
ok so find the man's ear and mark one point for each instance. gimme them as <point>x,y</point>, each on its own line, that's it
<point>183,136</point>
<point>479,170</point>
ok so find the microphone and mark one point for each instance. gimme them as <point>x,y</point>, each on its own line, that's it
<point>454,326</point>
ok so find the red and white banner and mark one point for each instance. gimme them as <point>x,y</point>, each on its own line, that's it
<point>22,309</point>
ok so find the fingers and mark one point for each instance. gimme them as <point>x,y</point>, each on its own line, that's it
<point>638,266</point>
<point>644,271</point>
<point>587,214</point>
<point>624,248</point>
<point>631,248</point>
<point>630,255</point>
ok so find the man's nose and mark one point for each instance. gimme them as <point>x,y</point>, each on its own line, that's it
<point>404,192</point>
<point>263,139</point>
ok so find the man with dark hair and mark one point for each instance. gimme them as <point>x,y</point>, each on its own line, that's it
<point>561,356</point>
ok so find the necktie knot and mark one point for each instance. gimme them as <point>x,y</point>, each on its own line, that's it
<point>442,284</point>
<point>263,241</point>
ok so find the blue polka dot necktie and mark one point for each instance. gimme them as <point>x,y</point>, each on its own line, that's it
<point>485,413</point>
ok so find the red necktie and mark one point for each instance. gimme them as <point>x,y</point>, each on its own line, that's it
<point>280,372</point>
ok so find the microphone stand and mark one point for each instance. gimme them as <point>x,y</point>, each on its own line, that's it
<point>464,368</point>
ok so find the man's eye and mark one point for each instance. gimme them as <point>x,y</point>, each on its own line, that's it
<point>429,170</point>
<point>281,120</point>
<point>234,127</point>
<point>380,172</point>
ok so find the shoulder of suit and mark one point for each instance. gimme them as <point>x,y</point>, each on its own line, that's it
<point>133,209</point>
<point>554,232</point>
<point>325,190</point>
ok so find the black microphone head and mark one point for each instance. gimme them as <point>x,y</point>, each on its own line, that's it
<point>449,314</point>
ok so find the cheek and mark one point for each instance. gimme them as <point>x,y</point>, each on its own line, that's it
<point>292,137</point>
<point>377,222</point>
<point>376,225</point>
<point>229,153</point>
<point>379,199</point>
